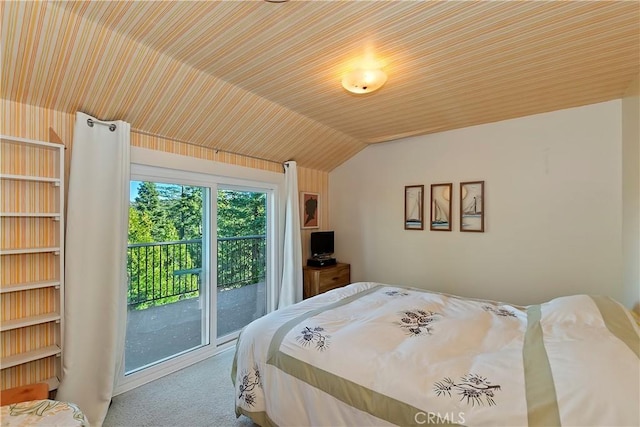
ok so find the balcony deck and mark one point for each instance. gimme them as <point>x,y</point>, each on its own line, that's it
<point>162,331</point>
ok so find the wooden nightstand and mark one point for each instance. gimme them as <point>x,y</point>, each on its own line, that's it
<point>321,279</point>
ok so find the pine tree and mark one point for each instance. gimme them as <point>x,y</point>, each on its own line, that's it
<point>164,213</point>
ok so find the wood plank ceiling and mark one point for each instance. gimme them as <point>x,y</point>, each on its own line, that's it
<point>263,79</point>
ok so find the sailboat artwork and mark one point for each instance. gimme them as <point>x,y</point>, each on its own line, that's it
<point>413,202</point>
<point>414,213</point>
<point>439,218</point>
<point>441,207</point>
<point>472,206</point>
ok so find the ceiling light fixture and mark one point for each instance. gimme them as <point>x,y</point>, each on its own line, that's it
<point>361,80</point>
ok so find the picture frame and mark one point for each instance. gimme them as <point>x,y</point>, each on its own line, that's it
<point>414,207</point>
<point>440,218</point>
<point>309,210</point>
<point>472,209</point>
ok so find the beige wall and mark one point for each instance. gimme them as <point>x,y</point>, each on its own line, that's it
<point>631,194</point>
<point>553,208</point>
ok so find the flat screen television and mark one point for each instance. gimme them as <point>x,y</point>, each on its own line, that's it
<point>321,243</point>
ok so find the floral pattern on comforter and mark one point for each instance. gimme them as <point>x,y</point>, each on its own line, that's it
<point>43,413</point>
<point>375,354</point>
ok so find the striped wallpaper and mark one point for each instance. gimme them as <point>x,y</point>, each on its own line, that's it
<point>263,79</point>
<point>15,268</point>
<point>28,373</point>
<point>19,233</point>
<point>36,197</point>
<point>27,303</point>
<point>38,123</point>
<point>143,86</point>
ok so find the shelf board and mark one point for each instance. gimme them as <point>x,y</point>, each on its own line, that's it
<point>30,356</point>
<point>31,214</point>
<point>18,139</point>
<point>35,178</point>
<point>23,322</point>
<point>29,285</point>
<point>28,251</point>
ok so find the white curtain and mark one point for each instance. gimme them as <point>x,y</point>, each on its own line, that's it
<point>291,285</point>
<point>95,265</point>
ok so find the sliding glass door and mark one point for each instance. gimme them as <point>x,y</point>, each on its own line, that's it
<point>167,298</point>
<point>200,263</point>
<point>241,259</point>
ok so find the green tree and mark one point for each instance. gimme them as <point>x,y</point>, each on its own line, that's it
<point>148,201</point>
<point>185,210</point>
<point>140,226</point>
<point>241,213</point>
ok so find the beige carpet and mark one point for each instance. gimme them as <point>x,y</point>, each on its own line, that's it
<point>200,395</point>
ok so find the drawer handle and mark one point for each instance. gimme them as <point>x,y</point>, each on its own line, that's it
<point>335,278</point>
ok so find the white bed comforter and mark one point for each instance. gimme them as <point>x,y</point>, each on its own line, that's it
<point>374,354</point>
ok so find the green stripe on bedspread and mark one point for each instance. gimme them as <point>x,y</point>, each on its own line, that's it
<point>285,328</point>
<point>618,322</point>
<point>349,392</point>
<point>353,394</point>
<point>542,403</point>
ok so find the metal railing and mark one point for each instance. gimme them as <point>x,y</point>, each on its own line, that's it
<point>165,272</point>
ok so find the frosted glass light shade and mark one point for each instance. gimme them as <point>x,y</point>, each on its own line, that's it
<point>364,81</point>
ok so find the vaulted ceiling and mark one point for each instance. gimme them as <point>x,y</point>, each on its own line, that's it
<point>263,79</point>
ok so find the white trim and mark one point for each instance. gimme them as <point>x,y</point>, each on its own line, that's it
<point>144,156</point>
<point>17,139</point>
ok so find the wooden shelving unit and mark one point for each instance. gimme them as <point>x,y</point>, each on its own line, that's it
<point>32,261</point>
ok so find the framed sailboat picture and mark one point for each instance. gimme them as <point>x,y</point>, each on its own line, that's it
<point>441,207</point>
<point>413,207</point>
<point>472,206</point>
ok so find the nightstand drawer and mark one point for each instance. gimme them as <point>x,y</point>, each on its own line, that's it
<point>334,278</point>
<point>321,279</point>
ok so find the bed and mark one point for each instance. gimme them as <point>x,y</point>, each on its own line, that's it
<point>42,412</point>
<point>372,354</point>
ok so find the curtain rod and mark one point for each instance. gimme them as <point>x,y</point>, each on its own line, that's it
<point>217,150</point>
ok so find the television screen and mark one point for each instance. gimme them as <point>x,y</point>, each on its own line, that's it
<point>321,243</point>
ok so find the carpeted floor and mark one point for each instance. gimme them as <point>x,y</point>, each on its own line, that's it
<point>200,395</point>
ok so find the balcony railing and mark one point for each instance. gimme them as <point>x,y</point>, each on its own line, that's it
<point>165,272</point>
